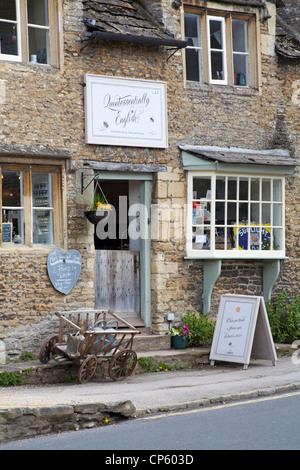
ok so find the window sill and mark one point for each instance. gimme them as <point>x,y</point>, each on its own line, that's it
<point>238,256</point>
<point>226,89</point>
<point>26,248</point>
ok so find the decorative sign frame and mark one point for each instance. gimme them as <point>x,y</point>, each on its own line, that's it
<point>242,331</point>
<point>126,112</point>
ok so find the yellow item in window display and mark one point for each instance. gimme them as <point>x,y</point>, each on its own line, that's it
<point>242,232</point>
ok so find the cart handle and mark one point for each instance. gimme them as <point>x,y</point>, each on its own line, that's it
<point>68,321</point>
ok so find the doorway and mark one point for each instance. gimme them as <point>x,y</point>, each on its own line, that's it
<point>119,267</point>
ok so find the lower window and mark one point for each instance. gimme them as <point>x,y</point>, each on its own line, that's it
<point>30,205</point>
<point>235,216</point>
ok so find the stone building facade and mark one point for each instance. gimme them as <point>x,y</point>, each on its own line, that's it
<point>232,119</point>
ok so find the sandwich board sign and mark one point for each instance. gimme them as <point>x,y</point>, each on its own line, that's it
<point>242,331</point>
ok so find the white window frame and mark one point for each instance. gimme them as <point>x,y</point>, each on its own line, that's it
<point>55,34</point>
<point>14,58</point>
<point>221,20</point>
<point>252,67</point>
<point>213,252</point>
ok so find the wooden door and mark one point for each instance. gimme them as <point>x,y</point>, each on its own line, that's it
<point>117,281</point>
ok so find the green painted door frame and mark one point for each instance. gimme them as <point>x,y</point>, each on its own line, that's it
<point>145,200</point>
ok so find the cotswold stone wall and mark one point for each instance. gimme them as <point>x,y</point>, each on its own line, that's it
<point>43,107</point>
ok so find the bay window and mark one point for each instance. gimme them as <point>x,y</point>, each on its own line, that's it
<point>235,215</point>
<point>25,31</point>
<point>31,205</point>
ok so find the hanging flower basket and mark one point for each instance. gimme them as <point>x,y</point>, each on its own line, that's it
<point>95,216</point>
<point>100,207</point>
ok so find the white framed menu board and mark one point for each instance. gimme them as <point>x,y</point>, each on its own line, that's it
<point>242,331</point>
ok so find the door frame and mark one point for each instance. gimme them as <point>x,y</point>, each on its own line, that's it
<point>145,180</point>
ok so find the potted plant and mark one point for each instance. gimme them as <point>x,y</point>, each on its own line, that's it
<point>179,336</point>
<point>98,210</point>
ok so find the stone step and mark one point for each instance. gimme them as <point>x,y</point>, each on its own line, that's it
<point>151,342</point>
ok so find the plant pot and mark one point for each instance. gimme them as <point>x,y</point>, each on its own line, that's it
<point>93,217</point>
<point>179,342</point>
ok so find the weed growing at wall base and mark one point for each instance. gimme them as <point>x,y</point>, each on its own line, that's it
<point>8,379</point>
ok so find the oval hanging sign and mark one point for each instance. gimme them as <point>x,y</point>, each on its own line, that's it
<point>64,269</point>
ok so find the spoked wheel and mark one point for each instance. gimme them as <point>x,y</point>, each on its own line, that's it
<point>122,364</point>
<point>87,369</point>
<point>48,349</point>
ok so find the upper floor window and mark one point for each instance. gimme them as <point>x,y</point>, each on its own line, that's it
<point>25,31</point>
<point>219,50</point>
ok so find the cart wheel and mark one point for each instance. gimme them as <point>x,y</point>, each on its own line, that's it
<point>48,349</point>
<point>87,369</point>
<point>122,364</point>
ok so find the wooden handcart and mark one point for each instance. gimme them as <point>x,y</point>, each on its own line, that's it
<point>88,335</point>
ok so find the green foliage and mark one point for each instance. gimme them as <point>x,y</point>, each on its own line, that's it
<point>28,356</point>
<point>149,365</point>
<point>8,379</point>
<point>201,330</point>
<point>284,317</point>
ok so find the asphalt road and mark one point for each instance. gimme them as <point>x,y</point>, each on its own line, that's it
<point>269,423</point>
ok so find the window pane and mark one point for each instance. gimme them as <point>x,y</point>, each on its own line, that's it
<point>277,191</point>
<point>201,238</point>
<point>15,218</point>
<point>278,239</point>
<point>42,226</point>
<point>243,213</point>
<point>8,10</point>
<point>266,190</point>
<point>38,45</point>
<point>41,198</point>
<point>8,39</point>
<point>192,30</point>
<point>11,188</point>
<point>231,213</point>
<point>41,189</point>
<point>12,201</point>
<point>243,195</point>
<point>254,189</point>
<point>201,213</point>
<point>240,68</point>
<point>232,184</point>
<point>266,213</point>
<point>220,213</point>
<point>37,12</point>
<point>217,66</point>
<point>193,54</point>
<point>201,188</point>
<point>216,37</point>
<point>254,216</point>
<point>277,215</point>
<point>193,65</point>
<point>220,188</point>
<point>239,36</point>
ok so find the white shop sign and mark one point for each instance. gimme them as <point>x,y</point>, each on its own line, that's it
<point>128,112</point>
<point>242,331</point>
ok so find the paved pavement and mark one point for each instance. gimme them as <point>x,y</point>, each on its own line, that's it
<point>163,391</point>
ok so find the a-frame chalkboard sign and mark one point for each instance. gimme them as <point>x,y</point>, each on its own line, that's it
<point>242,331</point>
